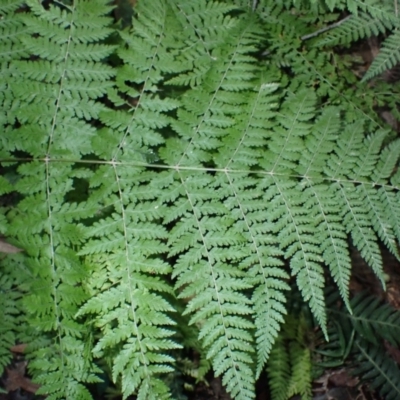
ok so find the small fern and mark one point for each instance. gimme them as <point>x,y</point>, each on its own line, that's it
<point>357,339</point>
<point>290,362</point>
<point>373,321</point>
<point>279,370</point>
<point>381,372</point>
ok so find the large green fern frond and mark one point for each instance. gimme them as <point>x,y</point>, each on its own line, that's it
<point>207,239</point>
<point>55,103</point>
<point>12,32</point>
<point>135,323</point>
<point>217,157</point>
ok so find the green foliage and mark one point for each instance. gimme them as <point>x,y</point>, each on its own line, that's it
<point>379,369</point>
<point>55,92</point>
<point>375,321</point>
<point>11,32</point>
<point>10,299</point>
<point>370,319</point>
<point>355,28</point>
<point>358,339</point>
<point>388,56</point>
<point>171,179</point>
<point>370,18</point>
<point>290,364</point>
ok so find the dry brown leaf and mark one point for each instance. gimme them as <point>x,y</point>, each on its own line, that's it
<point>8,248</point>
<point>19,348</point>
<point>16,379</point>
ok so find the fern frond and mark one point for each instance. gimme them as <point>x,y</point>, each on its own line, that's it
<point>148,44</point>
<point>386,163</point>
<point>379,370</point>
<point>12,315</point>
<point>359,340</point>
<point>51,121</point>
<point>289,365</point>
<point>278,369</point>
<point>203,273</point>
<point>300,382</point>
<point>12,33</point>
<point>333,237</point>
<point>209,112</point>
<point>342,164</point>
<point>128,304</point>
<point>74,97</point>
<point>357,222</point>
<point>387,58</point>
<point>265,273</point>
<point>286,145</point>
<point>268,301</point>
<point>373,320</point>
<point>242,150</point>
<point>294,227</point>
<point>379,218</point>
<point>355,28</point>
<point>139,338</point>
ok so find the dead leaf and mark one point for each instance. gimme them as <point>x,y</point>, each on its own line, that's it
<point>342,378</point>
<point>8,248</point>
<point>16,379</point>
<point>19,348</point>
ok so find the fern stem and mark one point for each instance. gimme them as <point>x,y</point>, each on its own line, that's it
<point>326,28</point>
<point>201,169</point>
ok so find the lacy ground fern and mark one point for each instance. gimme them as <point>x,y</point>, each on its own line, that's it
<point>358,339</point>
<point>178,164</point>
